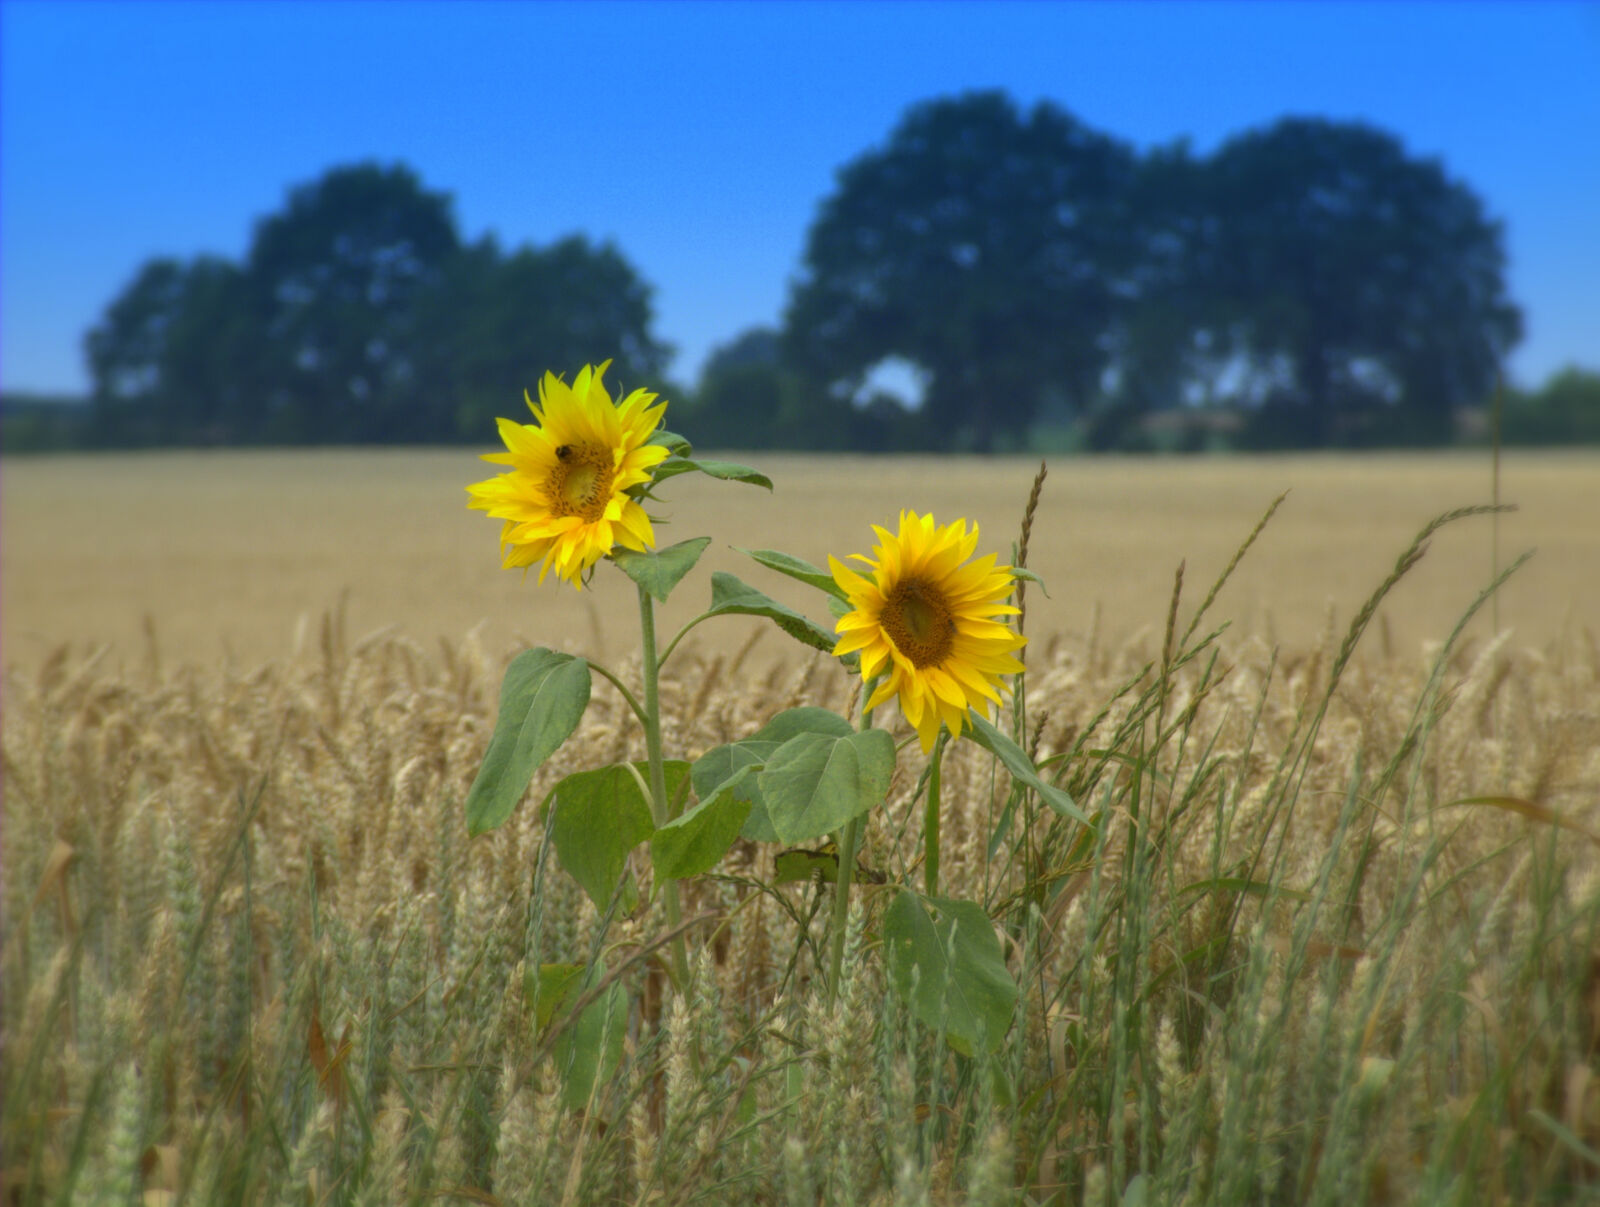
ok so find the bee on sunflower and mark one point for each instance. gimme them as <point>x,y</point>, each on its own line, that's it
<point>926,623</point>
<point>567,499</point>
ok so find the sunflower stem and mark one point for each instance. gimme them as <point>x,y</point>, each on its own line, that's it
<point>621,687</point>
<point>930,819</point>
<point>847,840</point>
<point>659,805</point>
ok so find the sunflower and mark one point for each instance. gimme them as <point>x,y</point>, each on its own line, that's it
<point>928,620</point>
<point>565,502</point>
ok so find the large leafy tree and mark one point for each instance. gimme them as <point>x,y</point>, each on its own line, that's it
<point>339,280</point>
<point>1346,276</point>
<point>170,358</point>
<point>501,321</point>
<point>980,244</point>
<point>359,316</point>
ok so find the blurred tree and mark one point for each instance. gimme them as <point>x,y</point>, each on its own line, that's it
<point>1565,410</point>
<point>1353,282</point>
<point>360,317</point>
<point>984,247</point>
<point>749,398</point>
<point>169,359</point>
<point>500,322</point>
<point>1167,341</point>
<point>338,283</point>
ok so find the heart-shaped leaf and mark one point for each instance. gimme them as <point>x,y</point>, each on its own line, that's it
<point>694,842</point>
<point>660,571</point>
<point>597,818</point>
<point>816,782</point>
<point>730,596</point>
<point>1021,767</point>
<point>542,699</point>
<point>946,962</point>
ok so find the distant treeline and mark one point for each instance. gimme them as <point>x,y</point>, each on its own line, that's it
<point>1306,284</point>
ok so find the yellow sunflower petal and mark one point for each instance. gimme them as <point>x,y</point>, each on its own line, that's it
<point>564,502</point>
<point>928,623</point>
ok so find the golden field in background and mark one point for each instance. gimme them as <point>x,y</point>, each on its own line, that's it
<point>239,553</point>
<point>252,957</point>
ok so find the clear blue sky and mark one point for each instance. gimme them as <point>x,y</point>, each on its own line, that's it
<point>700,137</point>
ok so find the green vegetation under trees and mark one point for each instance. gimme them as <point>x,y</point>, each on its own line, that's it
<point>1310,283</point>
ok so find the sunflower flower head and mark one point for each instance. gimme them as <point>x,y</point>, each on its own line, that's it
<point>565,500</point>
<point>924,620</point>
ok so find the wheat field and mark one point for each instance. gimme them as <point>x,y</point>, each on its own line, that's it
<point>237,554</point>
<point>1333,937</point>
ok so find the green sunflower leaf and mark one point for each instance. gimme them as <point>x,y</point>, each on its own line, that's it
<point>1024,573</point>
<point>1016,761</point>
<point>796,568</point>
<point>694,842</point>
<point>731,471</point>
<point>946,962</point>
<point>721,764</point>
<point>547,987</point>
<point>792,721</point>
<point>589,1052</point>
<point>816,782</point>
<point>598,817</point>
<point>542,699</point>
<point>730,596</point>
<point>726,470</point>
<point>660,571</point>
<point>674,443</point>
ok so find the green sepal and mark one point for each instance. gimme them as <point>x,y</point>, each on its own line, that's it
<point>661,570</point>
<point>542,699</point>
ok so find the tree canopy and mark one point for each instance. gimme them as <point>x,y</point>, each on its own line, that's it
<point>1313,272</point>
<point>1308,282</point>
<point>981,244</point>
<point>359,316</point>
<point>1346,275</point>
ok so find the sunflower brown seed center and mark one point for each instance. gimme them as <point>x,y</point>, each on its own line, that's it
<point>580,484</point>
<point>919,621</point>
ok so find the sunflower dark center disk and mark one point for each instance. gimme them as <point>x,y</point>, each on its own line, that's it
<point>580,485</point>
<point>919,622</point>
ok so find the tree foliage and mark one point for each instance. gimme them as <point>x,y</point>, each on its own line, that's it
<point>1346,276</point>
<point>1313,272</point>
<point>359,316</point>
<point>1311,281</point>
<point>981,244</point>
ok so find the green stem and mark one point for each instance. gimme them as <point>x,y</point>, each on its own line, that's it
<point>681,634</point>
<point>659,805</point>
<point>847,841</point>
<point>930,820</point>
<point>621,687</point>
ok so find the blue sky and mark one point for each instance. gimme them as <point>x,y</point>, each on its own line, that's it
<point>700,137</point>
